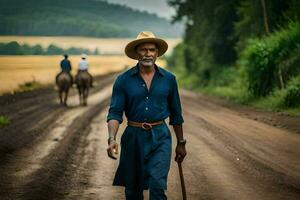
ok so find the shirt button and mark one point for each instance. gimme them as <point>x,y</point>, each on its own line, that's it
<point>146,108</point>
<point>147,97</point>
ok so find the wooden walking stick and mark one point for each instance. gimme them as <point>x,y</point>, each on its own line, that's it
<point>182,181</point>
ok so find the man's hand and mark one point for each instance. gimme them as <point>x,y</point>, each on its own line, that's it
<point>180,152</point>
<point>112,149</point>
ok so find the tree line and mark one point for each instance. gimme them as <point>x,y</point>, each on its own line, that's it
<point>14,48</point>
<point>241,49</point>
<point>78,18</point>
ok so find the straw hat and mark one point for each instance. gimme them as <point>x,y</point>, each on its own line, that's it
<point>83,55</point>
<point>145,37</point>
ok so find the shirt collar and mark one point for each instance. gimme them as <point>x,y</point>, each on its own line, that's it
<point>135,70</point>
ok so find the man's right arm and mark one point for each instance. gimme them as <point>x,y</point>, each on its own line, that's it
<point>113,127</point>
<point>115,117</point>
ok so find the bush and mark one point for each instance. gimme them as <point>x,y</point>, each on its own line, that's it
<point>4,121</point>
<point>224,76</point>
<point>291,97</point>
<point>282,99</point>
<point>30,85</point>
<point>270,62</point>
<point>176,59</point>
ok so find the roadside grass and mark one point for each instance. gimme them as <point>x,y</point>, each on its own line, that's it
<point>29,86</point>
<point>4,121</point>
<point>272,102</point>
<point>236,92</point>
<point>232,94</point>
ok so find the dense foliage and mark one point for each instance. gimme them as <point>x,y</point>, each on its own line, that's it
<point>240,48</point>
<point>272,61</point>
<point>291,94</point>
<point>78,18</point>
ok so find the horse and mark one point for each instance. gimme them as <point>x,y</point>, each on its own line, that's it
<point>83,82</point>
<point>63,82</point>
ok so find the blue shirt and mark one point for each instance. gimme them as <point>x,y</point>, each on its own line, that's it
<point>130,94</point>
<point>65,65</point>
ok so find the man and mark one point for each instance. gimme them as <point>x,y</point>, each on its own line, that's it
<point>83,67</point>
<point>65,66</point>
<point>148,94</point>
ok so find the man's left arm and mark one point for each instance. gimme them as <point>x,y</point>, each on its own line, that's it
<point>180,148</point>
<point>176,120</point>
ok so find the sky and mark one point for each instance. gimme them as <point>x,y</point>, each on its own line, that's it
<point>159,7</point>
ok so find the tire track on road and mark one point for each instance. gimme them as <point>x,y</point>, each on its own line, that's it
<point>26,172</point>
<point>31,113</point>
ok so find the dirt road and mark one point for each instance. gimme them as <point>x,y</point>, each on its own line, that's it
<point>52,152</point>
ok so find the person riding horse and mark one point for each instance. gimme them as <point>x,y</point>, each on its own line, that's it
<point>65,66</point>
<point>83,67</point>
<point>64,80</point>
<point>83,80</point>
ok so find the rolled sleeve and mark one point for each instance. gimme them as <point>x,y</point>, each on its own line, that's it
<point>117,103</point>
<point>175,105</point>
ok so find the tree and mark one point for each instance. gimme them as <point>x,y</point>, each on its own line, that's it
<point>209,26</point>
<point>13,48</point>
<point>263,4</point>
<point>37,50</point>
<point>54,50</point>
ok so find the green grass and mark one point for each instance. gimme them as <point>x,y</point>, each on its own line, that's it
<point>228,93</point>
<point>293,111</point>
<point>29,86</point>
<point>4,121</point>
<point>237,94</point>
<point>272,102</point>
<point>266,105</point>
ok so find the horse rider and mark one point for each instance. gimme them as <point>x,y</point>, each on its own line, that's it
<point>148,94</point>
<point>83,67</point>
<point>65,66</point>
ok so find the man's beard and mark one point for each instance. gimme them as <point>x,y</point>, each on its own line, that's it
<point>147,62</point>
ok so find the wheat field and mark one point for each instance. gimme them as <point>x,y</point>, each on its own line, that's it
<point>15,70</point>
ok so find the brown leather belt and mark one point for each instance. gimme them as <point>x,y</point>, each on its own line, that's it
<point>144,125</point>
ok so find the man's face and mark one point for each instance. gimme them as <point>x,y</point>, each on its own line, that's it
<point>147,54</point>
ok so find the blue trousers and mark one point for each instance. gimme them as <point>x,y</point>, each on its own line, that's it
<point>155,194</point>
<point>145,158</point>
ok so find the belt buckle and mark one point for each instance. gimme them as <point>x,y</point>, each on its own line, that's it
<point>146,126</point>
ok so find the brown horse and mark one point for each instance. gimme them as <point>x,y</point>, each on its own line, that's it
<point>63,82</point>
<point>83,82</point>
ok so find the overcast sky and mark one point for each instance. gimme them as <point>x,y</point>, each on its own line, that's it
<point>159,7</point>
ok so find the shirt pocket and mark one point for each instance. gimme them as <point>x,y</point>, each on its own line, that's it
<point>161,98</point>
<point>160,105</point>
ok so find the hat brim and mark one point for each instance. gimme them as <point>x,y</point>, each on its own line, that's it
<point>130,49</point>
